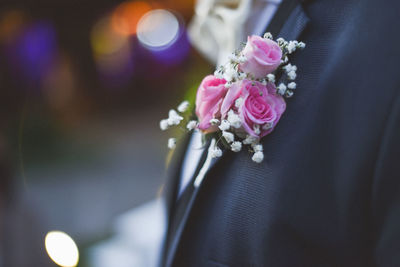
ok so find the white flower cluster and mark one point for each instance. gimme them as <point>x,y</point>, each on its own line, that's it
<point>287,89</point>
<point>215,152</point>
<point>229,126</point>
<point>268,35</point>
<point>171,143</point>
<point>175,117</point>
<point>233,118</point>
<point>288,47</point>
<point>191,125</point>
<point>294,45</point>
<point>257,148</point>
<point>231,73</point>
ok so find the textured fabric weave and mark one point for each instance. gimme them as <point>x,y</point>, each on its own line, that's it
<point>328,190</point>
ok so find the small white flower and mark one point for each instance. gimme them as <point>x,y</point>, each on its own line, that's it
<point>239,102</point>
<point>229,137</point>
<point>289,94</point>
<point>242,75</point>
<point>250,140</point>
<point>164,124</point>
<point>242,59</point>
<point>289,67</point>
<point>172,113</point>
<point>218,74</point>
<point>215,152</point>
<point>268,126</point>
<point>234,119</point>
<point>258,157</point>
<point>183,106</point>
<point>292,85</point>
<point>191,125</point>
<point>233,58</point>
<point>256,129</point>
<point>257,147</point>
<point>281,89</point>
<point>214,121</point>
<point>271,78</point>
<point>292,75</point>
<point>268,35</point>
<point>301,45</point>
<point>292,46</point>
<point>171,143</point>
<point>280,41</point>
<point>236,146</point>
<point>174,118</point>
<point>225,125</point>
<point>230,74</point>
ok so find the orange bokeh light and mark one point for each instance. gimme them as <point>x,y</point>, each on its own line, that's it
<point>10,24</point>
<point>126,16</point>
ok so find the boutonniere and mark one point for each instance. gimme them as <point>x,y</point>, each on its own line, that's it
<point>241,103</point>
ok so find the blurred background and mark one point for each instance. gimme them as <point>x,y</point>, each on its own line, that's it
<point>83,86</point>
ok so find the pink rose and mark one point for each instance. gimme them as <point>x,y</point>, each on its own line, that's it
<point>263,56</point>
<point>261,106</point>
<point>209,98</point>
<point>234,93</point>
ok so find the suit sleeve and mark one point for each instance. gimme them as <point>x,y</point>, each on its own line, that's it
<point>386,193</point>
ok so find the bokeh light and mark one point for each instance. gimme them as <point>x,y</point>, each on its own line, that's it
<point>164,35</point>
<point>62,249</point>
<point>157,29</point>
<point>11,23</point>
<point>75,80</point>
<point>105,40</point>
<point>59,86</point>
<point>111,52</point>
<point>34,51</point>
<point>127,15</point>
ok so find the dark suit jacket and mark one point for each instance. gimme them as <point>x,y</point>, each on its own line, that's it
<point>328,190</point>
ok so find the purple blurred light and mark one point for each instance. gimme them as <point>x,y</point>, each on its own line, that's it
<point>33,52</point>
<point>163,34</point>
<point>114,73</point>
<point>174,53</point>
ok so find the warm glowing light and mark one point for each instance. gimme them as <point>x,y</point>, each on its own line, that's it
<point>62,249</point>
<point>127,15</point>
<point>112,51</point>
<point>105,40</point>
<point>115,63</point>
<point>10,24</point>
<point>59,84</point>
<point>158,28</point>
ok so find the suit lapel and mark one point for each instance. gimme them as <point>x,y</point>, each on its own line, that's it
<point>174,166</point>
<point>291,28</point>
<point>173,245</point>
<point>295,24</point>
